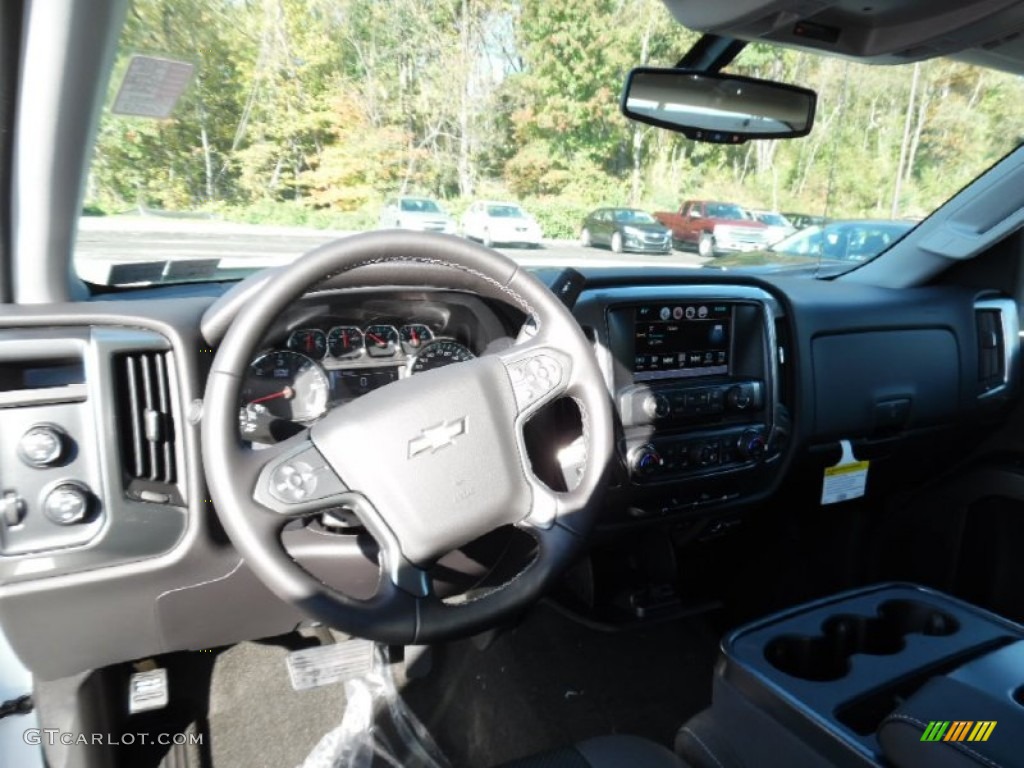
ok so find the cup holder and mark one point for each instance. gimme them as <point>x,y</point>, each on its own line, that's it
<point>826,656</point>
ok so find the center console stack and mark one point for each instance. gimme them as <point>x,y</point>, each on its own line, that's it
<point>693,371</point>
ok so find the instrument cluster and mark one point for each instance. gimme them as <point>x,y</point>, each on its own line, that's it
<point>347,342</point>
<point>316,368</point>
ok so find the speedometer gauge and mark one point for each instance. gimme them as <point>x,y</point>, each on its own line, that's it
<point>309,341</point>
<point>438,354</point>
<point>288,385</point>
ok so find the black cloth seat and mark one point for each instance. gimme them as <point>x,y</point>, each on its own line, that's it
<point>604,752</point>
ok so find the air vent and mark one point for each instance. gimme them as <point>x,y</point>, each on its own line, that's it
<point>145,398</point>
<point>784,353</point>
<point>997,327</point>
<point>991,372</point>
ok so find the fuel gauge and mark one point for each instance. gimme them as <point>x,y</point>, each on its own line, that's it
<point>345,341</point>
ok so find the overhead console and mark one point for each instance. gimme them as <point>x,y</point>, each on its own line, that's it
<point>694,374</point>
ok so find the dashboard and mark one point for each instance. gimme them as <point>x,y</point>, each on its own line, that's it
<point>719,383</point>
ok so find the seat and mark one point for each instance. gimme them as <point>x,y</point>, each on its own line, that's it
<point>616,751</point>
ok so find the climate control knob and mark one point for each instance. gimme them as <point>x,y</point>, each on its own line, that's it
<point>751,445</point>
<point>67,504</point>
<point>656,406</point>
<point>644,461</point>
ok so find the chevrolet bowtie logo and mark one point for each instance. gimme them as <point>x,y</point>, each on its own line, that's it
<point>434,439</point>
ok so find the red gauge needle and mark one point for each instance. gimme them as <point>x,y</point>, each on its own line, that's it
<point>377,340</point>
<point>286,392</point>
<point>415,338</point>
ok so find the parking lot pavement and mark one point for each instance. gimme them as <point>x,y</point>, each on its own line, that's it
<point>104,241</point>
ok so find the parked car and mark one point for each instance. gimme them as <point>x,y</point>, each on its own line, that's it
<point>778,226</point>
<point>419,213</point>
<point>713,228</point>
<point>496,222</point>
<point>804,220</point>
<point>625,229</point>
<point>839,241</point>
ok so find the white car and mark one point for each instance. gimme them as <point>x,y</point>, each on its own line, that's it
<point>778,226</point>
<point>419,213</point>
<point>505,223</point>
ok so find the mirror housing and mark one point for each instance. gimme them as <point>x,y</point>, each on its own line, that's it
<point>717,107</point>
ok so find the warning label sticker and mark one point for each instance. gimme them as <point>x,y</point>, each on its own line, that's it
<point>846,480</point>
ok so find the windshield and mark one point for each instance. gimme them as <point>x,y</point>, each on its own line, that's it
<point>634,217</point>
<point>420,206</point>
<point>771,219</point>
<point>725,211</point>
<point>857,241</point>
<point>505,212</point>
<point>239,135</point>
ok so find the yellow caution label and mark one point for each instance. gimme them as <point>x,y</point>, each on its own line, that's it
<point>845,469</point>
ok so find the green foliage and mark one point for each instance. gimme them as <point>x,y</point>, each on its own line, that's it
<point>310,112</point>
<point>558,217</point>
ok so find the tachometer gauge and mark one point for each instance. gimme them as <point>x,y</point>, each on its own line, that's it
<point>381,340</point>
<point>415,336</point>
<point>288,385</point>
<point>438,354</point>
<point>311,342</point>
<point>345,341</point>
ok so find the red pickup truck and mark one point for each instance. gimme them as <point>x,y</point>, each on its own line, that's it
<point>713,228</point>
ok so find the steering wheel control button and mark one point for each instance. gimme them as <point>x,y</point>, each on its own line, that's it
<point>44,445</point>
<point>534,378</point>
<point>12,509</point>
<point>300,478</point>
<point>293,482</point>
<point>67,503</point>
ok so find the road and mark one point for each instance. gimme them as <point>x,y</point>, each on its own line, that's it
<point>107,241</point>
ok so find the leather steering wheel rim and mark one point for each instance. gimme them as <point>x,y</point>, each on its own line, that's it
<point>459,440</point>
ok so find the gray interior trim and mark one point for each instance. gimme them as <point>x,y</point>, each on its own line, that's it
<point>121,530</point>
<point>69,48</point>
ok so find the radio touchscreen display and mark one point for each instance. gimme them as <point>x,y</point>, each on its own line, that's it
<point>681,340</point>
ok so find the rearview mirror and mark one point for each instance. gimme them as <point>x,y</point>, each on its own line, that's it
<point>716,107</point>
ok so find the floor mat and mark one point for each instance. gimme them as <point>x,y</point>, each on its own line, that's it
<point>550,682</point>
<point>256,720</point>
<point>546,683</point>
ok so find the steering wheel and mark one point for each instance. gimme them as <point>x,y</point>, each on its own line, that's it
<point>455,433</point>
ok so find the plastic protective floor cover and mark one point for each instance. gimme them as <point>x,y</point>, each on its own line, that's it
<point>376,729</point>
